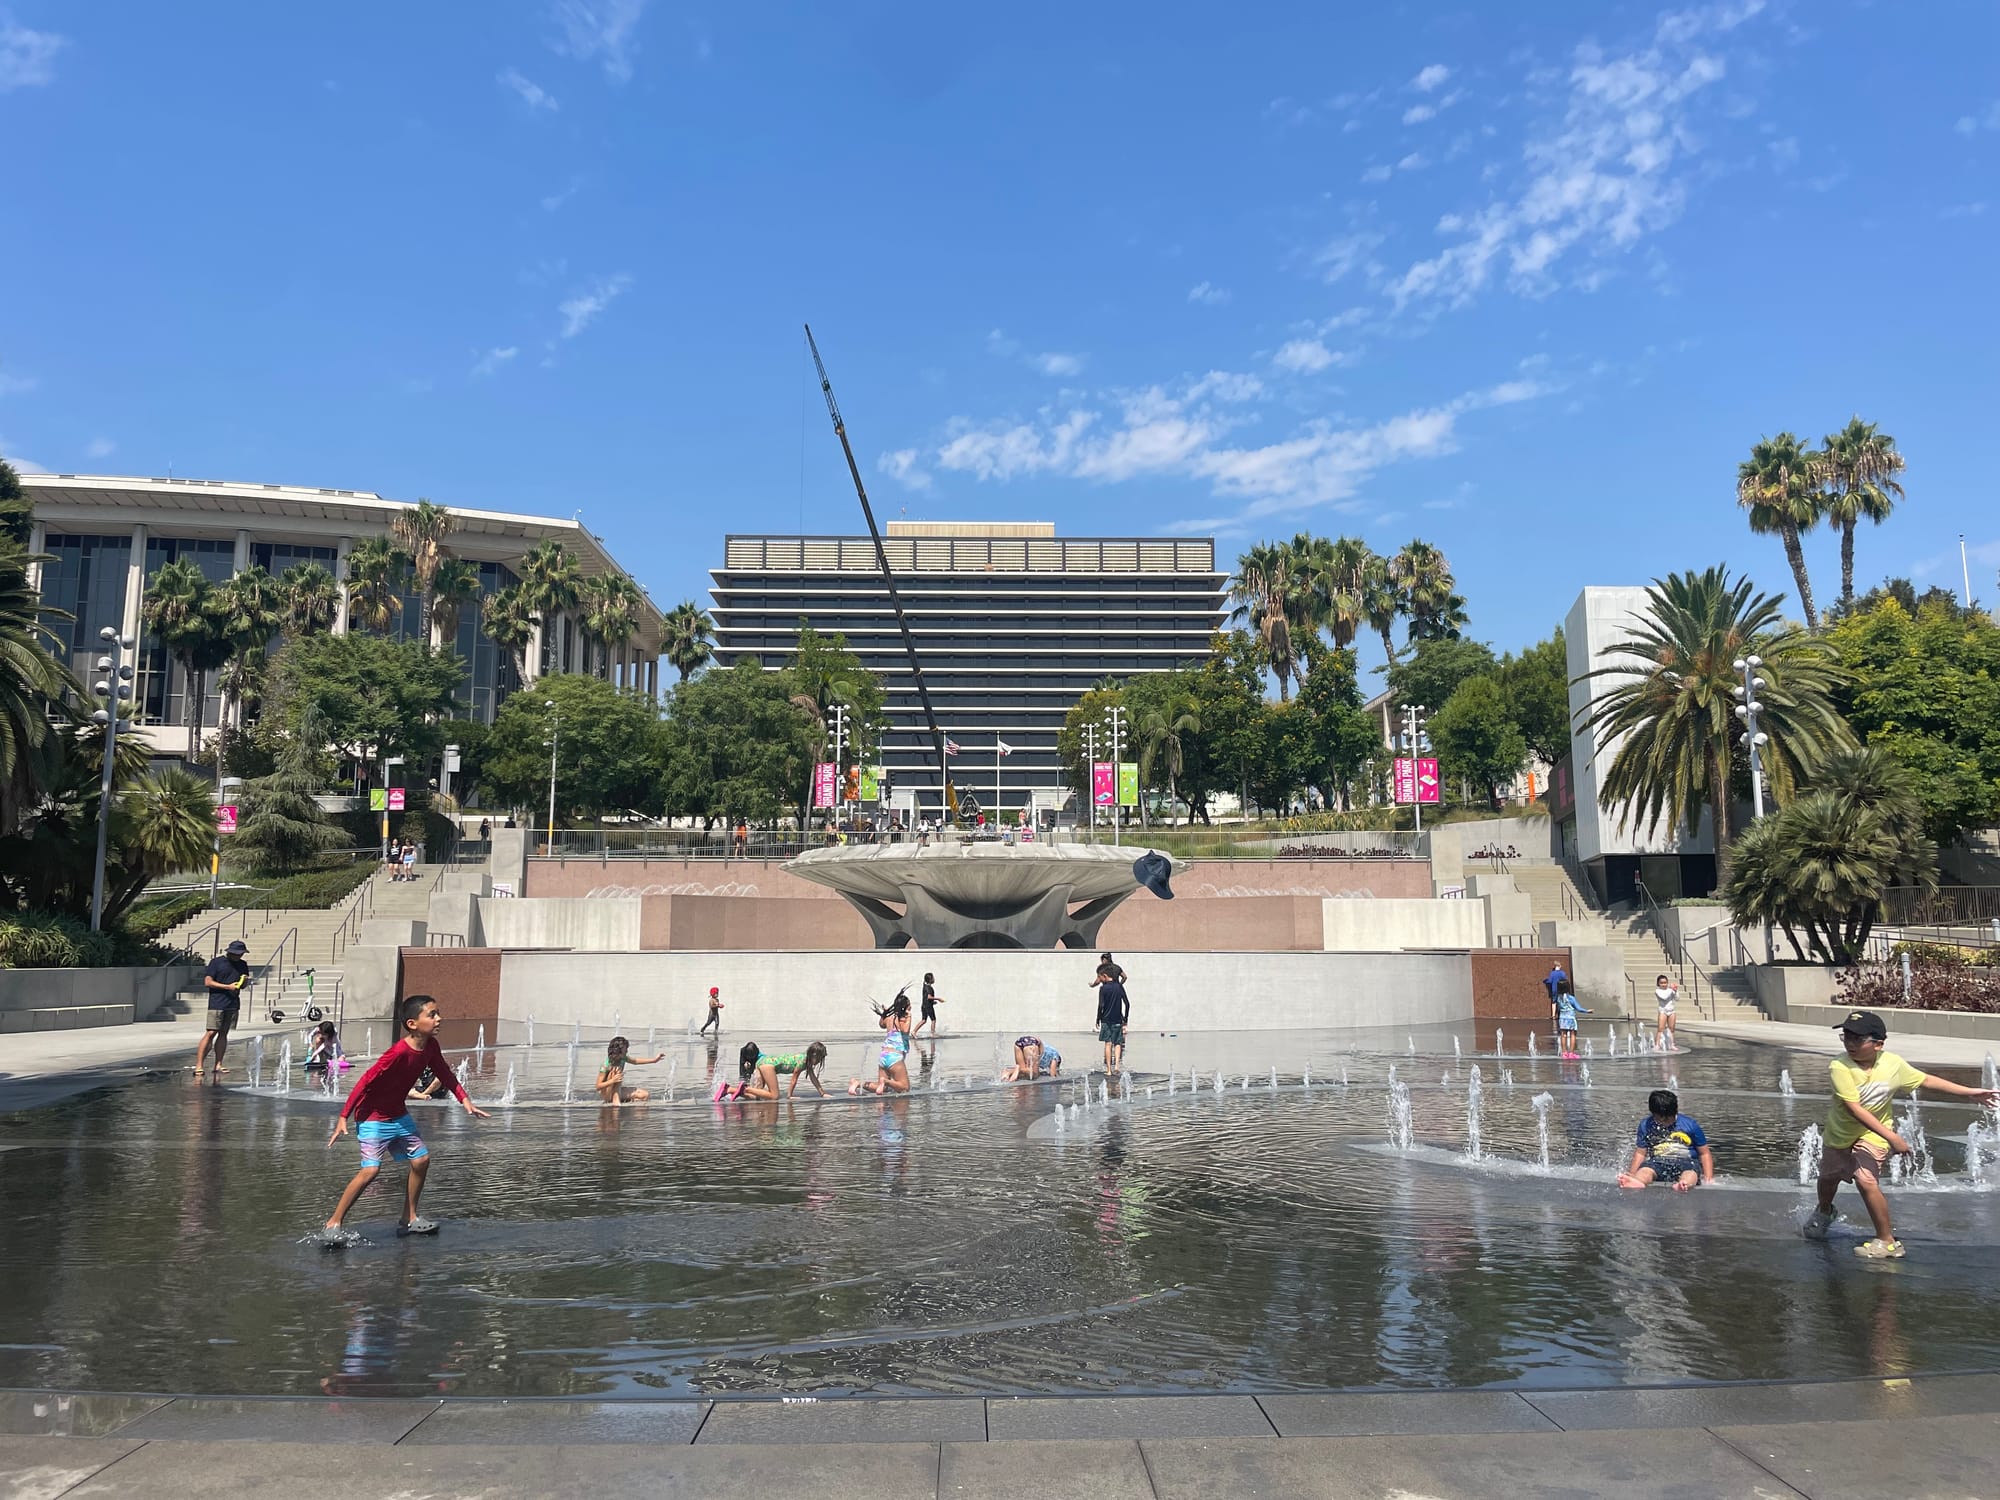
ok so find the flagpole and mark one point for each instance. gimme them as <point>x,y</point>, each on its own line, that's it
<point>996,781</point>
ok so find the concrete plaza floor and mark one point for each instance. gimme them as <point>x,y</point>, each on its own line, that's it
<point>1934,1436</point>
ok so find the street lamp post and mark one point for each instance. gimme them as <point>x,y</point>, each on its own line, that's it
<point>1748,706</point>
<point>1413,721</point>
<point>223,788</point>
<point>555,739</point>
<point>1117,771</point>
<point>114,687</point>
<point>1090,775</point>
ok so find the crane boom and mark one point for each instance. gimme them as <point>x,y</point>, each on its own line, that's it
<point>888,578</point>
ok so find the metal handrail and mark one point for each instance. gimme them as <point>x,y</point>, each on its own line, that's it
<point>357,912</point>
<point>444,940</point>
<point>1677,953</point>
<point>276,960</point>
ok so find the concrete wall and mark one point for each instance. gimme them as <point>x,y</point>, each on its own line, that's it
<point>1376,926</point>
<point>1782,988</point>
<point>1974,1025</point>
<point>1510,911</point>
<point>993,990</point>
<point>1599,976</point>
<point>749,922</point>
<point>610,925</point>
<point>1203,878</point>
<point>618,878</point>
<point>60,999</point>
<point>1448,845</point>
<point>1218,924</point>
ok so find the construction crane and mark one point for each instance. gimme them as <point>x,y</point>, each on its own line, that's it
<point>888,580</point>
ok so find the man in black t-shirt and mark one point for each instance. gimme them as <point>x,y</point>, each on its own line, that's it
<point>223,980</point>
<point>1114,1009</point>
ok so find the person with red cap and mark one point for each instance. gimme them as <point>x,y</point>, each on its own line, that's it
<point>1860,1133</point>
<point>714,1011</point>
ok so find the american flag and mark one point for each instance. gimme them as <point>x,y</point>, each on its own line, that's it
<point>951,747</point>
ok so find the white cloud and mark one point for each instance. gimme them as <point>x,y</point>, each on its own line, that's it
<point>532,94</point>
<point>27,58</point>
<point>1601,175</point>
<point>599,30</point>
<point>1986,119</point>
<point>1347,253</point>
<point>1784,152</point>
<point>1382,172</point>
<point>99,448</point>
<point>902,467</point>
<point>1226,386</point>
<point>580,310</point>
<point>16,385</point>
<point>1305,357</point>
<point>493,359</point>
<point>1415,161</point>
<point>1430,78</point>
<point>998,343</point>
<point>1208,294</point>
<point>1061,366</point>
<point>21,465</point>
<point>1416,114</point>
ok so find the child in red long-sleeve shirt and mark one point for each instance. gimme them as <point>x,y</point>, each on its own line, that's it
<point>380,1102</point>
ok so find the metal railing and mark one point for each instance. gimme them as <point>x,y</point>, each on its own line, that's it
<point>1692,976</point>
<point>1949,905</point>
<point>356,914</point>
<point>276,962</point>
<point>444,940</point>
<point>1517,940</point>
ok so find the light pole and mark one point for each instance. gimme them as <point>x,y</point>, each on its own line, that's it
<point>839,768</point>
<point>1090,776</point>
<point>1413,723</point>
<point>223,788</point>
<point>555,739</point>
<point>1748,706</point>
<point>114,687</point>
<point>1117,771</point>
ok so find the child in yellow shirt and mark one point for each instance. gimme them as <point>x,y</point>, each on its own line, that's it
<point>1859,1135</point>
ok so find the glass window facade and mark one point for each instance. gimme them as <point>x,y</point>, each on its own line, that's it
<point>85,578</point>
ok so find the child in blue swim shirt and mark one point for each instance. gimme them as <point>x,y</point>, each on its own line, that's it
<point>1670,1147</point>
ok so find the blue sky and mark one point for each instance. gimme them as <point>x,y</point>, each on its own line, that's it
<point>1524,281</point>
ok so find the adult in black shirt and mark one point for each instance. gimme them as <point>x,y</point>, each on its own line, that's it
<point>1114,1009</point>
<point>223,980</point>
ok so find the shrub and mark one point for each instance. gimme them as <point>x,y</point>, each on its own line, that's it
<point>1948,986</point>
<point>314,888</point>
<point>148,920</point>
<point>36,940</point>
<point>1936,954</point>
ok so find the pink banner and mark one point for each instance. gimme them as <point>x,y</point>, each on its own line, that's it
<point>225,819</point>
<point>395,799</point>
<point>1405,780</point>
<point>826,783</point>
<point>1427,779</point>
<point>1103,783</point>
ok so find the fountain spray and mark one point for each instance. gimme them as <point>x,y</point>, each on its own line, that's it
<point>1541,1102</point>
<point>1475,1097</point>
<point>1400,1126</point>
<point>1810,1143</point>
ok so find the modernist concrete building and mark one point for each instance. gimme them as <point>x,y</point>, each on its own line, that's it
<point>106,536</point>
<point>1615,846</point>
<point>1012,624</point>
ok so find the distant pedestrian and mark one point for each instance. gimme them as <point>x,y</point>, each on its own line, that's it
<point>485,828</point>
<point>931,1003</point>
<point>714,1011</point>
<point>742,840</point>
<point>410,860</point>
<point>223,981</point>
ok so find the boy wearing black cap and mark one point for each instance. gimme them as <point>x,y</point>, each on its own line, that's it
<point>224,979</point>
<point>1859,1135</point>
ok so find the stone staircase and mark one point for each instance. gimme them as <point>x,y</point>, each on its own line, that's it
<point>1726,994</point>
<point>322,938</point>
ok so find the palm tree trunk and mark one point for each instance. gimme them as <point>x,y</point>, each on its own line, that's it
<point>1796,556</point>
<point>1718,802</point>
<point>1846,564</point>
<point>1388,645</point>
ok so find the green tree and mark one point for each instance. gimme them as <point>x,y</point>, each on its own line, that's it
<point>1925,688</point>
<point>423,533</point>
<point>1535,686</point>
<point>1779,485</point>
<point>455,585</point>
<point>509,620</point>
<point>1422,576</point>
<point>1090,712</point>
<point>552,584</point>
<point>249,610</point>
<point>608,754</point>
<point>312,598</point>
<point>690,637</point>
<point>375,573</point>
<point>1476,737</point>
<point>282,826</point>
<point>180,610</point>
<point>823,672</point>
<point>374,697</point>
<point>1858,465</point>
<point>1823,863</point>
<point>34,685</point>
<point>1265,592</point>
<point>1339,732</point>
<point>1286,758</point>
<point>17,516</point>
<point>1668,690</point>
<point>736,746</point>
<point>1433,669</point>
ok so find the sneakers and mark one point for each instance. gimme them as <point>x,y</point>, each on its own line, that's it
<point>417,1225</point>
<point>337,1237</point>
<point>1880,1249</point>
<point>1817,1225</point>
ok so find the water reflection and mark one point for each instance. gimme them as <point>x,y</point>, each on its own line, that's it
<point>953,1241</point>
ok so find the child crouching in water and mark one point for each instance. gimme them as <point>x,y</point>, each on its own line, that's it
<point>611,1077</point>
<point>1667,1147</point>
<point>891,1073</point>
<point>380,1102</point>
<point>761,1071</point>
<point>1032,1057</point>
<point>324,1059</point>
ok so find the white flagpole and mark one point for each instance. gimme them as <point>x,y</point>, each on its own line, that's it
<point>996,781</point>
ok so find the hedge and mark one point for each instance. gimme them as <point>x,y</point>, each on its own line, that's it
<point>33,940</point>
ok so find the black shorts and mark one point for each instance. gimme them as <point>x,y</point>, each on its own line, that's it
<point>930,1010</point>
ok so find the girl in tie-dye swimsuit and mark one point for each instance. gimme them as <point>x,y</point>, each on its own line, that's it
<point>890,1073</point>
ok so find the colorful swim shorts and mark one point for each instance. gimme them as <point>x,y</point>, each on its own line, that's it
<point>396,1138</point>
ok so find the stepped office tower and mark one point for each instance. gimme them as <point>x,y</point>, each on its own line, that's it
<point>1012,624</point>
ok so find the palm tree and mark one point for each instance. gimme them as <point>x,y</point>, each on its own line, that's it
<point>554,587</point>
<point>1422,575</point>
<point>1779,485</point>
<point>510,623</point>
<point>165,822</point>
<point>455,584</point>
<point>1339,578</point>
<point>613,612</point>
<point>689,635</point>
<point>421,532</point>
<point>1263,592</point>
<point>312,598</point>
<point>375,572</point>
<point>251,608</point>
<point>1160,732</point>
<point>33,685</point>
<point>1858,465</point>
<point>1381,603</point>
<point>1671,703</point>
<point>180,613</point>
